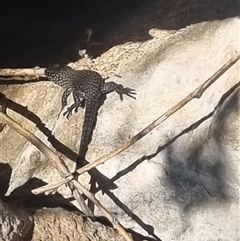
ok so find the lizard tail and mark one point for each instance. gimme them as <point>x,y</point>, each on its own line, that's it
<point>89,124</point>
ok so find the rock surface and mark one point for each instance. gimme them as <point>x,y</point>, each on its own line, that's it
<point>181,181</point>
<point>15,225</point>
<point>51,224</point>
<point>72,226</point>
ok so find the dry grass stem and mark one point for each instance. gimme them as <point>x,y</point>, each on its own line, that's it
<point>35,72</point>
<point>51,186</point>
<point>62,168</point>
<point>60,165</point>
<point>197,93</point>
<point>80,200</point>
<point>107,214</point>
<point>56,161</point>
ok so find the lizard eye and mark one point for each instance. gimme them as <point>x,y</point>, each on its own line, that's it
<point>47,72</point>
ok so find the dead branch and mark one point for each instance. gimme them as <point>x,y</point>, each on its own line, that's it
<point>197,93</point>
<point>107,214</point>
<point>35,72</point>
<point>50,187</point>
<point>79,198</point>
<point>57,162</point>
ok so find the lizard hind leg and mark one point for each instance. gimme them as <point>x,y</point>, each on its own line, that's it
<point>69,110</point>
<point>78,102</point>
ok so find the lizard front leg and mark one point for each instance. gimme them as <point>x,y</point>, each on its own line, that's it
<point>112,86</point>
<point>65,95</point>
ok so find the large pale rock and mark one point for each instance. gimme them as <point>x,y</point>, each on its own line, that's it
<point>187,189</point>
<point>176,183</point>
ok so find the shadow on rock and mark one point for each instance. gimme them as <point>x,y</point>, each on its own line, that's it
<point>5,175</point>
<point>23,198</point>
<point>204,172</point>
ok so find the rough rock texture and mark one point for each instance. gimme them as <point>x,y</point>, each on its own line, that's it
<point>51,224</point>
<point>180,182</point>
<point>15,225</point>
<point>189,189</point>
<point>61,225</point>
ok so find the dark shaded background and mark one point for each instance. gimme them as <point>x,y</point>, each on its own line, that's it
<point>42,32</point>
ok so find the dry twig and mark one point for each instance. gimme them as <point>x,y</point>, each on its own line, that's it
<point>113,220</point>
<point>36,72</point>
<point>57,162</point>
<point>77,195</point>
<point>197,93</point>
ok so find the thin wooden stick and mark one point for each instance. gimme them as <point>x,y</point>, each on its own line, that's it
<point>57,162</point>
<point>81,202</point>
<point>36,72</point>
<point>197,93</point>
<point>51,186</point>
<point>107,214</point>
<point>61,167</point>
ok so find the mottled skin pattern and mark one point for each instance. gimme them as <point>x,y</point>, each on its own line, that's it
<point>87,87</point>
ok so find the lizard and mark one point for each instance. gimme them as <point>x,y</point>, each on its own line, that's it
<point>88,87</point>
